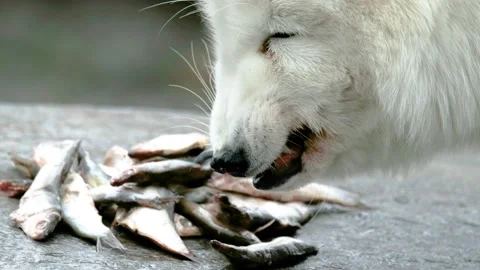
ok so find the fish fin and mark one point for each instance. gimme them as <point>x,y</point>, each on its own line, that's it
<point>191,257</point>
<point>27,166</point>
<point>98,245</point>
<point>109,241</point>
<point>364,206</point>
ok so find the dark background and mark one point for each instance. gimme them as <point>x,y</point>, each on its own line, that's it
<point>99,53</point>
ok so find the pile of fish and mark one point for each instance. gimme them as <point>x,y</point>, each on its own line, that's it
<point>164,190</point>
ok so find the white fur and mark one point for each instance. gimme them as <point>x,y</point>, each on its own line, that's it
<point>392,82</point>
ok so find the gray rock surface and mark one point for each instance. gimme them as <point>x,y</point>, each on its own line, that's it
<point>430,220</point>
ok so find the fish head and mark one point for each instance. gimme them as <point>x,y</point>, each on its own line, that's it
<point>38,226</point>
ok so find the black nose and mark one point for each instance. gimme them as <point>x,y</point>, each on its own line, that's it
<point>231,162</point>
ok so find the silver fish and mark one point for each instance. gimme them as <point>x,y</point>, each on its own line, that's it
<point>172,171</point>
<point>311,193</point>
<point>130,196</point>
<point>79,212</point>
<point>98,175</point>
<point>251,213</point>
<point>169,145</point>
<point>156,225</point>
<point>210,227</point>
<point>90,171</point>
<point>40,207</point>
<point>282,251</point>
<point>293,213</point>
<point>152,159</point>
<point>116,160</point>
<point>256,219</point>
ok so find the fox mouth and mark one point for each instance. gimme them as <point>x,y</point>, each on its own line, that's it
<point>287,164</point>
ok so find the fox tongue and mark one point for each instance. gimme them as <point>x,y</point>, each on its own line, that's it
<point>288,164</point>
<point>285,166</point>
<point>285,159</point>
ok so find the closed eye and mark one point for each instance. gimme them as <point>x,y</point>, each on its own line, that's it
<point>282,35</point>
<point>265,46</point>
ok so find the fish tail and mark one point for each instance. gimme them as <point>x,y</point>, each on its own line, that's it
<point>109,241</point>
<point>361,205</point>
<point>28,166</point>
<point>98,245</point>
<point>191,257</point>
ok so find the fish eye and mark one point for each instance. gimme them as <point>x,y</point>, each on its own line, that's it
<point>278,35</point>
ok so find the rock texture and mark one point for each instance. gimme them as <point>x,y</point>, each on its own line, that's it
<point>430,220</point>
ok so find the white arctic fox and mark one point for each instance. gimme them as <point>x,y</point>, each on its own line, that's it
<point>312,89</point>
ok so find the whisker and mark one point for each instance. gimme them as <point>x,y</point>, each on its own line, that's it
<point>193,120</point>
<point>187,126</point>
<point>209,68</point>
<point>210,78</point>
<point>202,81</point>
<point>193,70</point>
<point>224,7</point>
<point>188,118</point>
<point>174,15</point>
<point>208,53</point>
<point>186,89</point>
<point>280,156</point>
<point>321,207</point>
<point>275,161</point>
<point>272,166</point>
<point>310,202</point>
<point>163,3</point>
<point>290,141</point>
<point>190,13</point>
<point>203,110</point>
<point>296,132</point>
<point>197,122</point>
<point>204,117</point>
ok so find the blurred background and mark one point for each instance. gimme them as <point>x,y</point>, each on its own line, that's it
<point>100,53</point>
